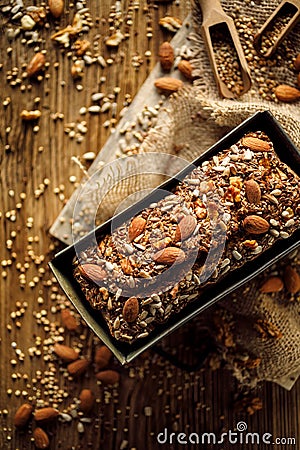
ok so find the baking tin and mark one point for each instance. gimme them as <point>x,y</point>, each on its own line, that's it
<point>62,267</point>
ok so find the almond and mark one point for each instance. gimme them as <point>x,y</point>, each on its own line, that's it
<point>78,367</point>
<point>272,284</point>
<point>166,56</point>
<point>169,256</point>
<point>102,357</point>
<point>108,377</point>
<point>186,69</point>
<point>41,439</point>
<point>253,192</point>
<point>291,280</point>
<point>255,224</point>
<point>92,272</point>
<point>56,7</point>
<point>297,63</point>
<point>45,415</point>
<point>255,144</point>
<point>136,228</point>
<point>131,309</point>
<point>168,85</point>
<point>66,353</point>
<point>22,415</point>
<point>36,64</point>
<point>185,228</point>
<point>286,93</point>
<point>103,352</point>
<point>69,321</point>
<point>101,363</point>
<point>87,400</point>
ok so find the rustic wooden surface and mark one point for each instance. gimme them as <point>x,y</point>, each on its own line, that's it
<point>199,401</point>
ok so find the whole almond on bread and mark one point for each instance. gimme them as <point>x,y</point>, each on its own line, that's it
<point>253,191</point>
<point>131,309</point>
<point>169,256</point>
<point>23,415</point>
<point>92,272</point>
<point>41,439</point>
<point>185,228</point>
<point>256,224</point>
<point>256,144</point>
<point>136,227</point>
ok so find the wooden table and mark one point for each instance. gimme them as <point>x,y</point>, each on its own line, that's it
<point>37,177</point>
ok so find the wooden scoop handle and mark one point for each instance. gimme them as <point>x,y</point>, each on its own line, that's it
<point>209,7</point>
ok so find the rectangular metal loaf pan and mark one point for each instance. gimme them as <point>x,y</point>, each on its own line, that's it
<point>62,267</point>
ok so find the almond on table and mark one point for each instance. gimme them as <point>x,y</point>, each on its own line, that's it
<point>69,320</point>
<point>46,415</point>
<point>41,439</point>
<point>23,415</point>
<point>78,367</point>
<point>87,400</point>
<point>65,352</point>
<point>108,377</point>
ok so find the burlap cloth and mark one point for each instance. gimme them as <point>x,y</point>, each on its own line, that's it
<point>193,120</point>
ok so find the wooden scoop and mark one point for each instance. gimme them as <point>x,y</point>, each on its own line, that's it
<point>214,16</point>
<point>291,11</point>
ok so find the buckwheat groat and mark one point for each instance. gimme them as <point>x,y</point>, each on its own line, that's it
<point>221,215</point>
